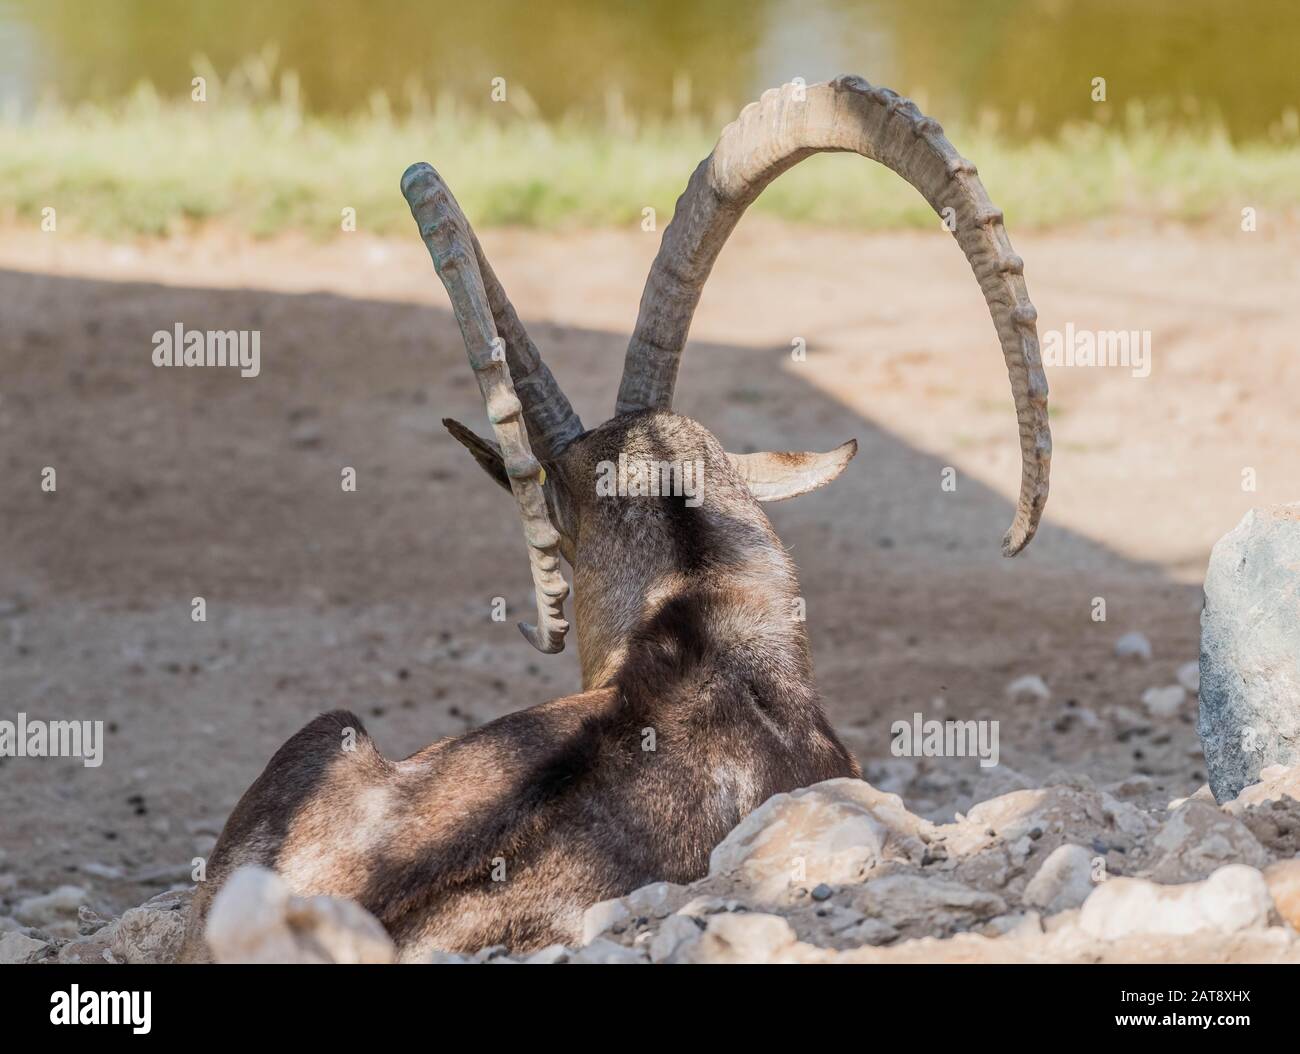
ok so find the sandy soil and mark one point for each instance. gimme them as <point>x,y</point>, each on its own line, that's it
<point>181,483</point>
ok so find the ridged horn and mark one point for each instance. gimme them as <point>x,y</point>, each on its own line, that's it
<point>781,129</point>
<point>456,258</point>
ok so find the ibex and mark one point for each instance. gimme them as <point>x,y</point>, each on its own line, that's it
<point>687,644</point>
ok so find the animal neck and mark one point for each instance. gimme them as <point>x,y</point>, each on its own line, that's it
<point>737,616</point>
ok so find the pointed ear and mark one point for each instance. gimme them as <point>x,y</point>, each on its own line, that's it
<point>773,476</point>
<point>485,452</point>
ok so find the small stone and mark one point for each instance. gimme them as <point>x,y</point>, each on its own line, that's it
<point>54,912</point>
<point>700,906</point>
<point>1030,686</point>
<point>1133,646</point>
<point>1164,702</point>
<point>550,955</point>
<point>1063,881</point>
<point>602,917</point>
<point>822,891</point>
<point>1189,676</point>
<point>604,952</point>
<point>676,931</point>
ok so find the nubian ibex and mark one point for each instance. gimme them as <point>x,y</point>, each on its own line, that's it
<point>683,603</point>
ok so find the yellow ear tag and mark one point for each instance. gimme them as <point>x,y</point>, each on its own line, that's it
<point>541,478</point>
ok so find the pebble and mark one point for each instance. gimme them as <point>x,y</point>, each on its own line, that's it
<point>1133,646</point>
<point>1063,881</point>
<point>1164,702</point>
<point>1031,686</point>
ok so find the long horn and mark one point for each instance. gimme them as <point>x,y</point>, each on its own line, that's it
<point>452,247</point>
<point>552,423</point>
<point>784,127</point>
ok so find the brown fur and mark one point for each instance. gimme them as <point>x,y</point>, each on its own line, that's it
<point>506,834</point>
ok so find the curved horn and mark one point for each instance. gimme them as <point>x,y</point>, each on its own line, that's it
<point>784,127</point>
<point>452,247</point>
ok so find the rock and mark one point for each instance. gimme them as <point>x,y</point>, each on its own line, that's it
<point>1250,650</point>
<point>1133,646</point>
<point>868,931</point>
<point>97,870</point>
<point>1189,676</point>
<point>441,958</point>
<point>1020,924</point>
<point>55,912</point>
<point>548,956</point>
<point>747,938</point>
<point>605,952</point>
<point>657,900</point>
<point>1275,783</point>
<point>1233,899</point>
<point>922,906</point>
<point>153,932</point>
<point>700,906</point>
<point>255,919</point>
<point>676,930</point>
<point>1164,702</point>
<point>602,917</point>
<point>1198,839</point>
<point>1064,880</point>
<point>1283,880</point>
<point>1031,686</point>
<point>19,948</point>
<point>96,949</point>
<point>835,833</point>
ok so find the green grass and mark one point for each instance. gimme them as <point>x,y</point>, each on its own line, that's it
<point>148,166</point>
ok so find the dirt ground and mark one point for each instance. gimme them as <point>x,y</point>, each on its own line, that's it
<point>176,483</point>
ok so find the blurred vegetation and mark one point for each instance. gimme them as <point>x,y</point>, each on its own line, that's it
<point>252,157</point>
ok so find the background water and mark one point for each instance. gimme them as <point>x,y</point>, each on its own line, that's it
<point>1030,63</point>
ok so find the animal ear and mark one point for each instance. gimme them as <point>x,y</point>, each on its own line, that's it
<point>774,476</point>
<point>485,452</point>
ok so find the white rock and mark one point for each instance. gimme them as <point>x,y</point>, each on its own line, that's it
<point>601,917</point>
<point>656,900</point>
<point>1133,646</point>
<point>1189,676</point>
<point>1064,881</point>
<point>19,948</point>
<point>1030,686</point>
<point>255,919</point>
<point>552,953</point>
<point>605,952</point>
<point>56,911</point>
<point>675,931</point>
<point>746,938</point>
<point>835,833</point>
<point>1233,899</point>
<point>1164,702</point>
<point>151,933</point>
